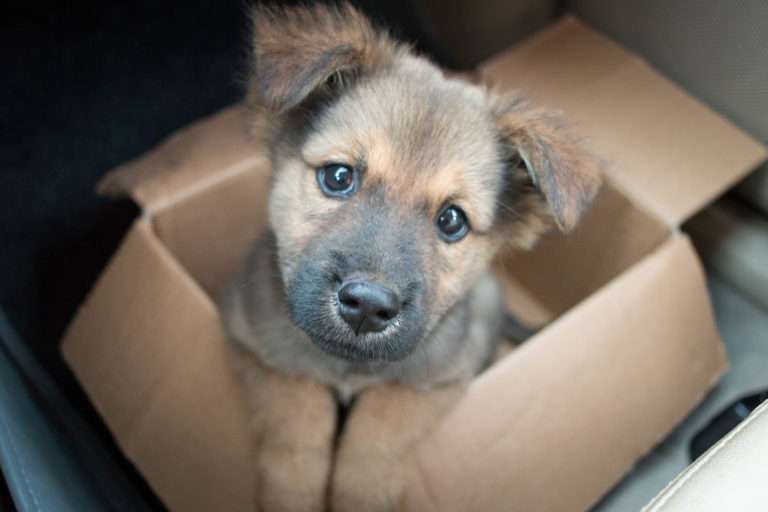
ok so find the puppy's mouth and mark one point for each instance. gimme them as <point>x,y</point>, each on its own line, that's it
<point>358,351</point>
<point>358,338</point>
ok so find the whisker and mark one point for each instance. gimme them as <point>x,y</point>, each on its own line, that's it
<point>509,209</point>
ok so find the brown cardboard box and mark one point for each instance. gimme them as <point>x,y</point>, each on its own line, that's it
<point>632,348</point>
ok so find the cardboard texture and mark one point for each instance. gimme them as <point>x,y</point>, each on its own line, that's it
<point>553,426</point>
<point>149,350</point>
<point>632,348</point>
<point>172,171</point>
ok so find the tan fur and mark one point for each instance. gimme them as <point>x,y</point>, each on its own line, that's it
<point>421,140</point>
<point>293,422</point>
<point>288,44</point>
<point>376,451</point>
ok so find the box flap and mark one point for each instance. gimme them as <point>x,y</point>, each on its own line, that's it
<point>573,409</point>
<point>668,151</point>
<point>210,234</point>
<point>212,149</point>
<point>149,350</point>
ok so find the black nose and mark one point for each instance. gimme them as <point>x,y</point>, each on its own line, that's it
<point>367,307</point>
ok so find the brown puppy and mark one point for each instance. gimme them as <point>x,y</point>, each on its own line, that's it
<point>393,189</point>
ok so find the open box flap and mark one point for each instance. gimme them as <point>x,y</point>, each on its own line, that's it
<point>149,349</point>
<point>561,420</point>
<point>201,155</point>
<point>668,151</point>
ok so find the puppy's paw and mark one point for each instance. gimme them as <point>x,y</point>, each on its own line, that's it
<point>366,484</point>
<point>292,479</point>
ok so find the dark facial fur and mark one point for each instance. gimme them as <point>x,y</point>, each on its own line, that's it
<point>328,88</point>
<point>385,248</point>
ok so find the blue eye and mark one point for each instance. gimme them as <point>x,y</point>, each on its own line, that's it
<point>452,224</point>
<point>337,180</point>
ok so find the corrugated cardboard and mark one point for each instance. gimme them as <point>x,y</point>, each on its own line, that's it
<point>148,348</point>
<point>554,425</point>
<point>173,171</point>
<point>632,348</point>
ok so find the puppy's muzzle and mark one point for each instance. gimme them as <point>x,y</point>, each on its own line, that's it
<point>367,306</point>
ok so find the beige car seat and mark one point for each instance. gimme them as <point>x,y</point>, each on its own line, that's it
<point>730,476</point>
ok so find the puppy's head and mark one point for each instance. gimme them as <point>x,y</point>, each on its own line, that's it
<point>394,186</point>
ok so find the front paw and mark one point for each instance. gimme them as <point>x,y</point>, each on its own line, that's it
<point>292,479</point>
<point>368,484</point>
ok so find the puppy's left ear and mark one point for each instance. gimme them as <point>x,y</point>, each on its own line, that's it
<point>298,51</point>
<point>565,174</point>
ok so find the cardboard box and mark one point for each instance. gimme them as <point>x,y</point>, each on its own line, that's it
<point>631,349</point>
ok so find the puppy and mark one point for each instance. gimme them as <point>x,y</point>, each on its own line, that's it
<point>393,189</point>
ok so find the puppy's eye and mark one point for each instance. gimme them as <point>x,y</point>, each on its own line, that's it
<point>337,180</point>
<point>452,224</point>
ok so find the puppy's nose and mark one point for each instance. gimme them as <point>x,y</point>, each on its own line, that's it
<point>367,307</point>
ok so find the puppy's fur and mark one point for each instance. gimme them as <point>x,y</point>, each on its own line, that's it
<point>329,88</point>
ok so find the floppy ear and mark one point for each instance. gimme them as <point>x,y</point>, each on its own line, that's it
<point>537,141</point>
<point>300,50</point>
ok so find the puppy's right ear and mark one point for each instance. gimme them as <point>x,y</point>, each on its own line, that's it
<point>300,50</point>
